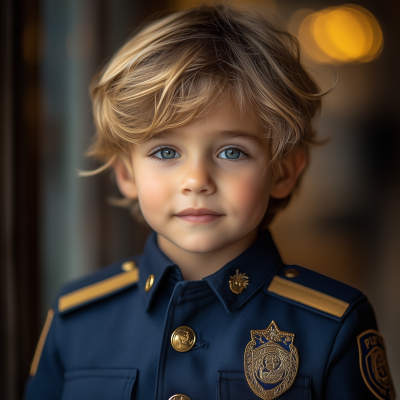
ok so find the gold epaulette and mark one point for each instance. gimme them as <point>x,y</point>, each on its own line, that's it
<point>307,296</point>
<point>99,289</point>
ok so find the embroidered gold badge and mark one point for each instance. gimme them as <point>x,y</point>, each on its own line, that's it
<point>271,362</point>
<point>238,282</point>
<point>374,365</point>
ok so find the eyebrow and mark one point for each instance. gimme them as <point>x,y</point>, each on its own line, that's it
<point>243,135</point>
<point>228,133</point>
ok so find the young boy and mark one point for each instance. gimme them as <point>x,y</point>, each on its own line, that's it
<point>205,117</point>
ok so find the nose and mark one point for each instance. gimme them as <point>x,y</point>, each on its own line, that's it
<point>197,179</point>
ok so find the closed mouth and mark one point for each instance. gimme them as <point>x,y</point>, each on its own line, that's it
<point>197,212</point>
<point>199,215</point>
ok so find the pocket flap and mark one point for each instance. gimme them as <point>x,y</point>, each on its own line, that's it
<point>99,384</point>
<point>232,385</point>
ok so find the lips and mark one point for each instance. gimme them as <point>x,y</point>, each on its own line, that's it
<point>198,211</point>
<point>199,215</point>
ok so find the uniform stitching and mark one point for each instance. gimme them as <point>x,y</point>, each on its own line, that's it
<point>102,369</point>
<point>333,346</point>
<point>226,292</point>
<point>218,384</point>
<point>164,350</point>
<point>183,300</point>
<point>122,376</point>
<point>95,376</point>
<point>199,291</point>
<point>200,345</point>
<point>189,298</point>
<point>304,386</point>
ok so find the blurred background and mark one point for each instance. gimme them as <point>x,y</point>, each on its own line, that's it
<point>345,221</point>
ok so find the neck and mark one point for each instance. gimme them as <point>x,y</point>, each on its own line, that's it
<point>196,266</point>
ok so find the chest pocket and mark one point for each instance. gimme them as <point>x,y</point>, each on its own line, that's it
<point>234,386</point>
<point>99,384</point>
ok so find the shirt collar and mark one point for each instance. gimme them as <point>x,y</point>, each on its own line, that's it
<point>260,262</point>
<point>153,262</point>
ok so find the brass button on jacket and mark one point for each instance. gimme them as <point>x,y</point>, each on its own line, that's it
<point>292,273</point>
<point>179,397</point>
<point>128,266</point>
<point>149,283</point>
<point>183,339</point>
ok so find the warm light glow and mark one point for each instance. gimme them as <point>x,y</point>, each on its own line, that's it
<point>340,35</point>
<point>306,37</point>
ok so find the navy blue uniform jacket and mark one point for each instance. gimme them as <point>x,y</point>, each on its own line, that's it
<point>107,338</point>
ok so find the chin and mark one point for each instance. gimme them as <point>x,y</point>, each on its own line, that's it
<point>200,243</point>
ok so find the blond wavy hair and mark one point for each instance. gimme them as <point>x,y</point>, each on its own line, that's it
<point>177,68</point>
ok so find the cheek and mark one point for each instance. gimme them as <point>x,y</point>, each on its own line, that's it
<point>153,193</point>
<point>248,194</point>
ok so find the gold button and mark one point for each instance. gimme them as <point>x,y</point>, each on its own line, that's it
<point>128,266</point>
<point>238,282</point>
<point>183,339</point>
<point>179,397</point>
<point>149,283</point>
<point>292,273</point>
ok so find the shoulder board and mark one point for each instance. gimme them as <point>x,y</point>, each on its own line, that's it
<point>314,291</point>
<point>103,283</point>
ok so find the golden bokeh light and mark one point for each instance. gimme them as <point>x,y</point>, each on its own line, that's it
<point>306,37</point>
<point>340,35</point>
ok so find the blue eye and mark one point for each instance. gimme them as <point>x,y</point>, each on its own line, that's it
<point>230,154</point>
<point>166,154</point>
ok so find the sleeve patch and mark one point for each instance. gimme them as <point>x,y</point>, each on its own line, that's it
<point>374,366</point>
<point>40,345</point>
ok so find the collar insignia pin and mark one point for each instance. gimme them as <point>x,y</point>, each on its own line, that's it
<point>238,282</point>
<point>271,362</point>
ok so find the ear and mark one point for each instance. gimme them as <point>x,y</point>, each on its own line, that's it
<point>125,180</point>
<point>289,168</point>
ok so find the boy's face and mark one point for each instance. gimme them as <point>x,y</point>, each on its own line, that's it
<point>217,166</point>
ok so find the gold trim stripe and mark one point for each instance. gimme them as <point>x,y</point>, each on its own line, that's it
<point>307,296</point>
<point>97,289</point>
<point>42,340</point>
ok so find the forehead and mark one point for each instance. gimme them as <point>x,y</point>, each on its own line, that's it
<point>225,121</point>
